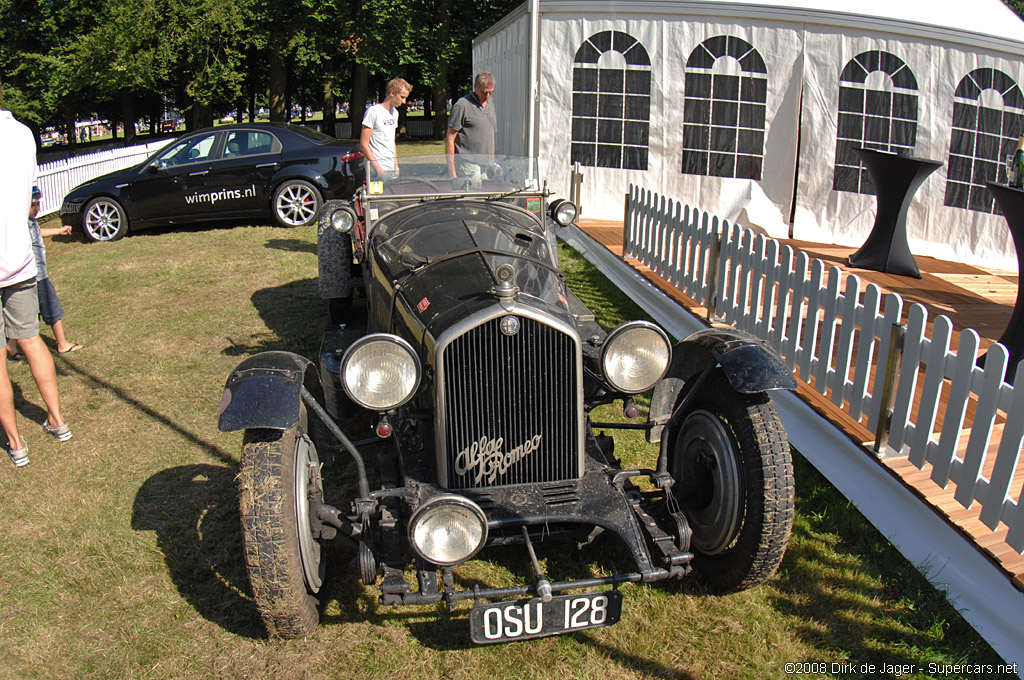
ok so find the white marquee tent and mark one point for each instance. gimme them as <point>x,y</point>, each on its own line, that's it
<point>751,110</point>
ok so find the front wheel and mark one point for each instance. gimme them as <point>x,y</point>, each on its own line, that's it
<point>733,473</point>
<point>296,203</point>
<point>104,220</point>
<point>280,483</point>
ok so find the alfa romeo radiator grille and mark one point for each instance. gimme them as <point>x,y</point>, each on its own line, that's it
<point>510,403</point>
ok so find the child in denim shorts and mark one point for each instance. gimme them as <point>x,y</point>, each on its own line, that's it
<point>49,305</point>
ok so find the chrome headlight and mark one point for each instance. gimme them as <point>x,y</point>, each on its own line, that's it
<point>635,356</point>
<point>448,529</point>
<point>563,212</point>
<point>343,219</point>
<point>380,372</point>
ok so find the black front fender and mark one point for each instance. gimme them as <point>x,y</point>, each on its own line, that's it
<point>334,255</point>
<point>750,365</point>
<point>265,390</point>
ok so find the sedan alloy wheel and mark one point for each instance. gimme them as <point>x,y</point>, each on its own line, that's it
<point>104,220</point>
<point>296,203</point>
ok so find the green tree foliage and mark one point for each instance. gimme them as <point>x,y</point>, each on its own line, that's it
<point>129,60</point>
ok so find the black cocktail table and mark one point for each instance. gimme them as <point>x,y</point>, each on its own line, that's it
<point>896,180</point>
<point>1011,203</point>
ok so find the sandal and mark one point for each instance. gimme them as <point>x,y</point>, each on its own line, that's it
<point>73,348</point>
<point>19,456</point>
<point>62,432</point>
<point>16,356</point>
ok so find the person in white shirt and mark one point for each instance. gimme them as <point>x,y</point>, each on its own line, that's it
<point>377,138</point>
<point>18,301</point>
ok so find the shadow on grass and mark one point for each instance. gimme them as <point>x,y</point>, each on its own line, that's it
<point>26,408</point>
<point>292,314</point>
<point>849,590</point>
<point>644,667</point>
<point>194,513</point>
<point>199,227</point>
<point>68,367</point>
<point>293,245</point>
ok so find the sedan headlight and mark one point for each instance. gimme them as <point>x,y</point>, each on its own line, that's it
<point>380,372</point>
<point>448,529</point>
<point>343,219</point>
<point>563,212</point>
<point>635,356</point>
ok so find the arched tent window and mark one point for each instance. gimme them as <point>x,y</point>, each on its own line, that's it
<point>724,109</point>
<point>611,102</point>
<point>988,116</point>
<point>877,110</point>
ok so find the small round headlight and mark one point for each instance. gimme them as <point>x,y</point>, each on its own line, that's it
<point>635,356</point>
<point>563,212</point>
<point>380,372</point>
<point>448,529</point>
<point>343,219</point>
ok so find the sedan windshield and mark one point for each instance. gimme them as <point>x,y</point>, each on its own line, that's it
<point>189,150</point>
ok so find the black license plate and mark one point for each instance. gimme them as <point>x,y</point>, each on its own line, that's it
<point>525,619</point>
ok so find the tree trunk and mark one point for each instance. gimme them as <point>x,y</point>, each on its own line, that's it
<point>403,114</point>
<point>289,90</point>
<point>128,116</point>
<point>201,116</point>
<point>156,115</point>
<point>69,130</point>
<point>444,12</point>
<point>441,104</point>
<point>329,105</point>
<point>278,85</point>
<point>357,105</point>
<point>252,99</point>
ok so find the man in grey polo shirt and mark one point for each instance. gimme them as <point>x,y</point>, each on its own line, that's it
<point>471,128</point>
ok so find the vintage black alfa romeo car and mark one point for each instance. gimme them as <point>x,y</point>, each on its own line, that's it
<point>479,369</point>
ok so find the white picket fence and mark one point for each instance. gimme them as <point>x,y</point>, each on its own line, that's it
<point>57,178</point>
<point>852,347</point>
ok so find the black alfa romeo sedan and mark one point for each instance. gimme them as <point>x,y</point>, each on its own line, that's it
<point>232,172</point>
<point>477,369</point>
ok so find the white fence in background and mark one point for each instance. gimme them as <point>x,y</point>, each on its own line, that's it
<point>57,178</point>
<point>852,348</point>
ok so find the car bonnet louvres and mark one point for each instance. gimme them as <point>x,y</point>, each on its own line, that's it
<point>511,405</point>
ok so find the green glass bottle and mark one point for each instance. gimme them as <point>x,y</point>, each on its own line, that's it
<point>1016,177</point>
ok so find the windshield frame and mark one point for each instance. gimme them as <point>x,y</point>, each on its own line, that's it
<point>508,169</point>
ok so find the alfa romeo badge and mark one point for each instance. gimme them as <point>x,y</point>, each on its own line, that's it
<point>510,325</point>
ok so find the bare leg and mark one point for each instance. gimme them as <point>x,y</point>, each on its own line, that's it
<point>58,334</point>
<point>41,364</point>
<point>8,420</point>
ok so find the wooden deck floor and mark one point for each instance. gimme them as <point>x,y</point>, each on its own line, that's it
<point>970,296</point>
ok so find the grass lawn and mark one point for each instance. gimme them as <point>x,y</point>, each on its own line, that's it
<point>121,550</point>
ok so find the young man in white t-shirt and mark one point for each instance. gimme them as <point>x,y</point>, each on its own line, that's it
<point>377,138</point>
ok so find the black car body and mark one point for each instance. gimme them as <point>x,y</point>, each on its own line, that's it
<point>479,369</point>
<point>254,171</point>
